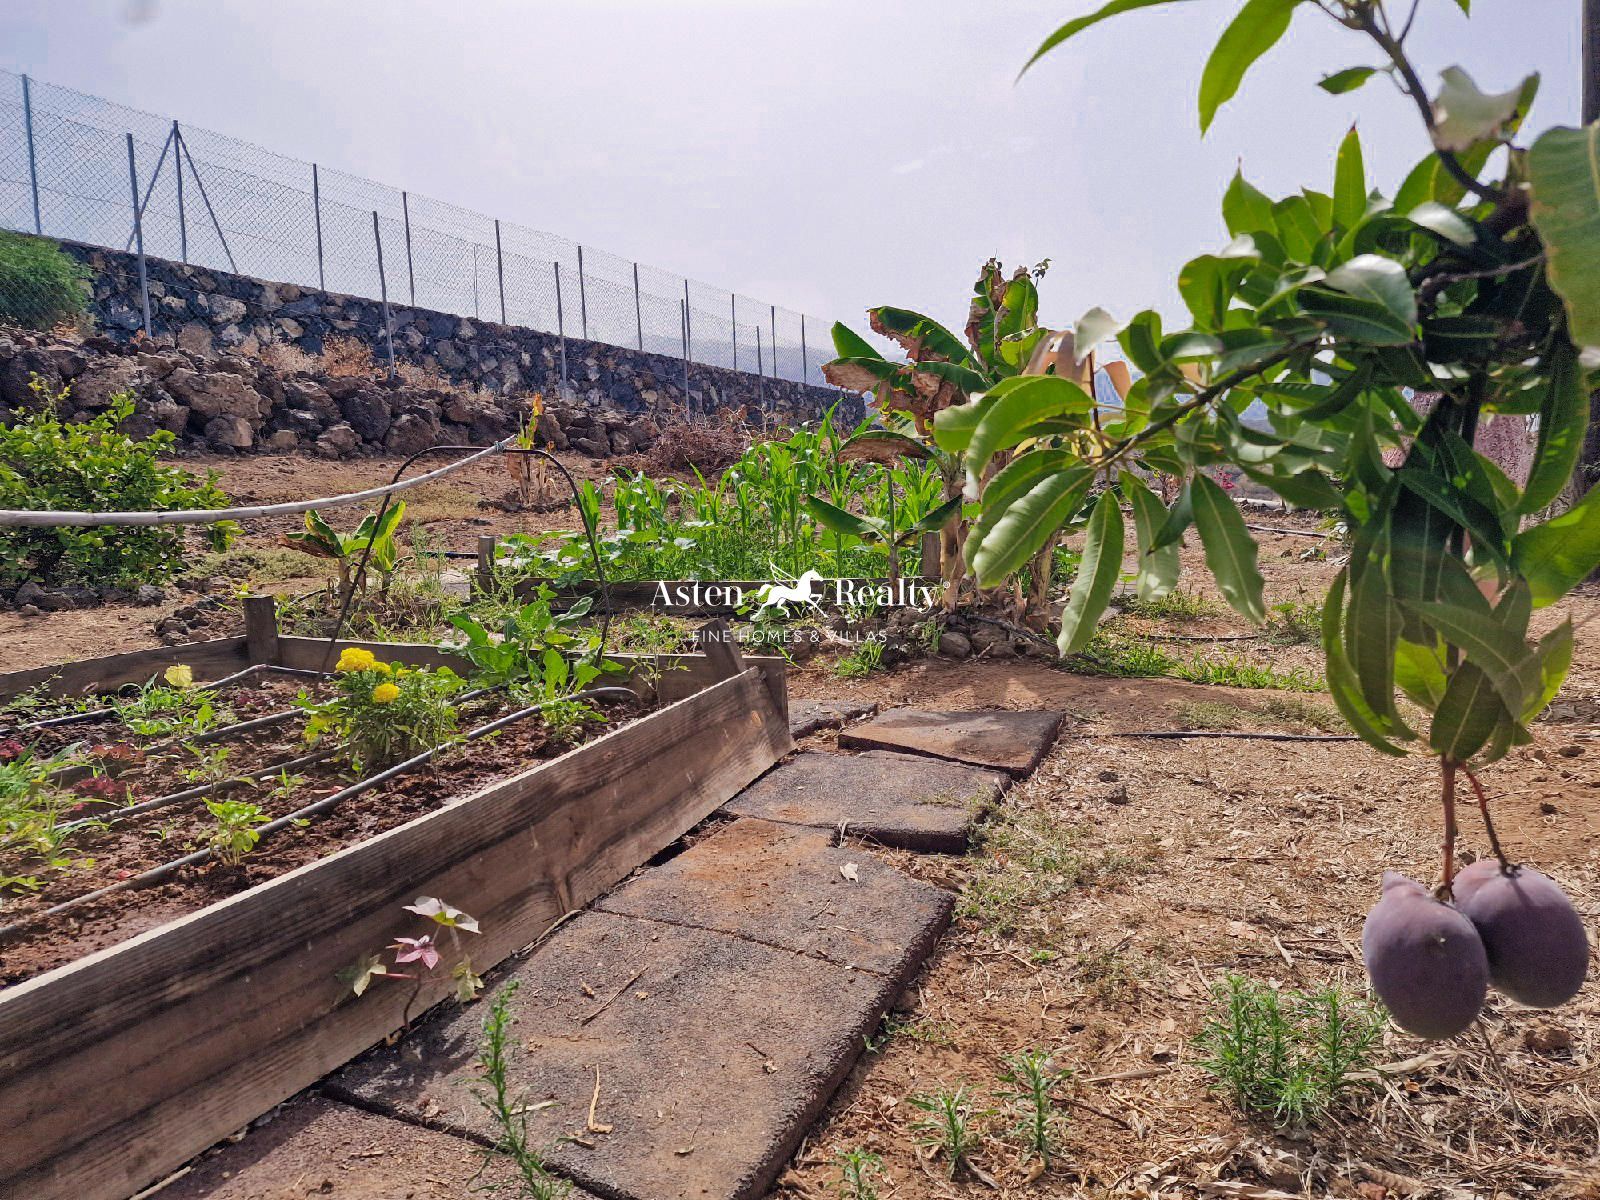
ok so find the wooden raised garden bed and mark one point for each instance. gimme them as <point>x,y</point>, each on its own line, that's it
<point>117,1067</point>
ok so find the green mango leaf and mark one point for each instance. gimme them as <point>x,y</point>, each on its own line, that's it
<point>1297,227</point>
<point>1561,553</point>
<point>1347,80</point>
<point>1158,567</point>
<point>1444,221</point>
<point>1350,183</point>
<point>1372,629</point>
<point>1251,34</point>
<point>1381,280</point>
<point>1245,209</point>
<point>1564,178</point>
<point>1014,481</point>
<point>1094,327</point>
<point>1179,518</point>
<point>1497,651</point>
<point>1097,576</point>
<point>1023,527</point>
<point>1467,715</point>
<point>1420,673</point>
<point>1355,317</point>
<point>953,426</point>
<point>1555,660</point>
<point>1230,550</point>
<point>1563,420</point>
<point>1464,116</point>
<point>1342,684</point>
<point>1078,25</point>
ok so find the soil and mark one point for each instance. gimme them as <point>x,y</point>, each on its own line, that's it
<point>120,850</point>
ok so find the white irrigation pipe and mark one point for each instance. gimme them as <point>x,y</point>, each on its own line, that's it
<point>209,516</point>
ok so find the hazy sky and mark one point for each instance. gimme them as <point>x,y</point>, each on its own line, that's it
<point>826,155</point>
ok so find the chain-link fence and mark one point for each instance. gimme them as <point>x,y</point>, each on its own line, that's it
<point>80,168</point>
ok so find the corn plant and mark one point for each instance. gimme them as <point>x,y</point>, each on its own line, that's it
<point>948,1126</point>
<point>1031,1075</point>
<point>374,537</point>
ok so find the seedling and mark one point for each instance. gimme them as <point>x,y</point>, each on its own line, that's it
<point>948,1128</point>
<point>509,1115</point>
<point>237,829</point>
<point>1031,1075</point>
<point>858,1172</point>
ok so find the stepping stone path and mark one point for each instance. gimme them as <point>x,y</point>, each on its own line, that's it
<point>897,800</point>
<point>1013,742</point>
<point>680,1037</point>
<point>808,716</point>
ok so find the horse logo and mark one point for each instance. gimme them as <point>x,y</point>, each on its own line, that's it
<point>781,595</point>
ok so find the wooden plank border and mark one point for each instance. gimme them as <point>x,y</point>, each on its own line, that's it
<point>118,1067</point>
<point>210,659</point>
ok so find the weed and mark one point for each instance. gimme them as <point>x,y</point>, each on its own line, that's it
<point>866,658</point>
<point>285,357</point>
<point>1235,671</point>
<point>1295,622</point>
<point>1123,658</point>
<point>236,831</point>
<point>210,764</point>
<point>1265,713</point>
<point>1108,975</point>
<point>948,1127</point>
<point>33,811</point>
<point>1174,606</point>
<point>533,1180</point>
<point>858,1169</point>
<point>565,718</point>
<point>1287,1055</point>
<point>1031,1075</point>
<point>347,357</point>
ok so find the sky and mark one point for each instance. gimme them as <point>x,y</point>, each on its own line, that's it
<point>824,155</point>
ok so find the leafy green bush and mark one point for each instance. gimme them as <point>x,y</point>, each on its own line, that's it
<point>50,464</point>
<point>41,286</point>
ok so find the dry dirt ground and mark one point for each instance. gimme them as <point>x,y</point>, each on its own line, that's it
<point>1113,890</point>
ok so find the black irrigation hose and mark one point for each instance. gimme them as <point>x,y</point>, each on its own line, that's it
<point>157,874</point>
<point>111,709</point>
<point>1236,733</point>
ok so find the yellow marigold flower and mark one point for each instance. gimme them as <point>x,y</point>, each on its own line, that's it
<point>180,676</point>
<point>381,667</point>
<point>355,659</point>
<point>385,693</point>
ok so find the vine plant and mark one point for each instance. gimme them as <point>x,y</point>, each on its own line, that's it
<point>1477,282</point>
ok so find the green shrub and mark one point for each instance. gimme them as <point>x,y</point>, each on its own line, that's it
<point>41,286</point>
<point>47,463</point>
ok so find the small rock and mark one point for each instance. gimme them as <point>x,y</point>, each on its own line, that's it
<point>1547,1038</point>
<point>954,645</point>
<point>1571,750</point>
<point>1107,775</point>
<point>30,610</point>
<point>1116,795</point>
<point>148,594</point>
<point>1547,808</point>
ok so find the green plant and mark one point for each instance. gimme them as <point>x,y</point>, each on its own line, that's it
<point>374,537</point>
<point>858,1172</point>
<point>1331,310</point>
<point>236,829</point>
<point>41,286</point>
<point>210,763</point>
<point>565,717</point>
<point>33,809</point>
<point>866,658</point>
<point>948,1128</point>
<point>528,653</point>
<point>89,466</point>
<point>509,1116</point>
<point>1175,605</point>
<point>1031,1075</point>
<point>1295,621</point>
<point>169,704</point>
<point>382,713</point>
<point>1287,1055</point>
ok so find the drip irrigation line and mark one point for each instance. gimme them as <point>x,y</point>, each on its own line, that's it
<point>109,710</point>
<point>1310,533</point>
<point>1238,733</point>
<point>197,793</point>
<point>211,516</point>
<point>158,873</point>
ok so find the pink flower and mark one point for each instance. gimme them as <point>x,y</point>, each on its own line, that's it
<point>419,949</point>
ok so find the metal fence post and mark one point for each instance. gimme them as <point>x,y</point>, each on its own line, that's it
<point>683,324</point>
<point>761,375</point>
<point>138,237</point>
<point>383,292</point>
<point>500,270</point>
<point>805,367</point>
<point>774,317</point>
<point>638,312</point>
<point>688,330</point>
<point>475,279</point>
<point>561,330</point>
<point>583,298</point>
<point>411,272</point>
<point>316,208</point>
<point>33,163</point>
<point>733,318</point>
<point>183,223</point>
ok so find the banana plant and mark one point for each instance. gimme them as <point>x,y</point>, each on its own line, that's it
<point>322,540</point>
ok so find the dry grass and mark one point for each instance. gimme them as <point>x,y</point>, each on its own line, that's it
<point>286,358</point>
<point>347,357</point>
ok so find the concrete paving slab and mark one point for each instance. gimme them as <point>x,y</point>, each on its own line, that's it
<point>318,1147</point>
<point>791,887</point>
<point>898,800</point>
<point>1014,742</point>
<point>714,1054</point>
<point>808,716</point>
